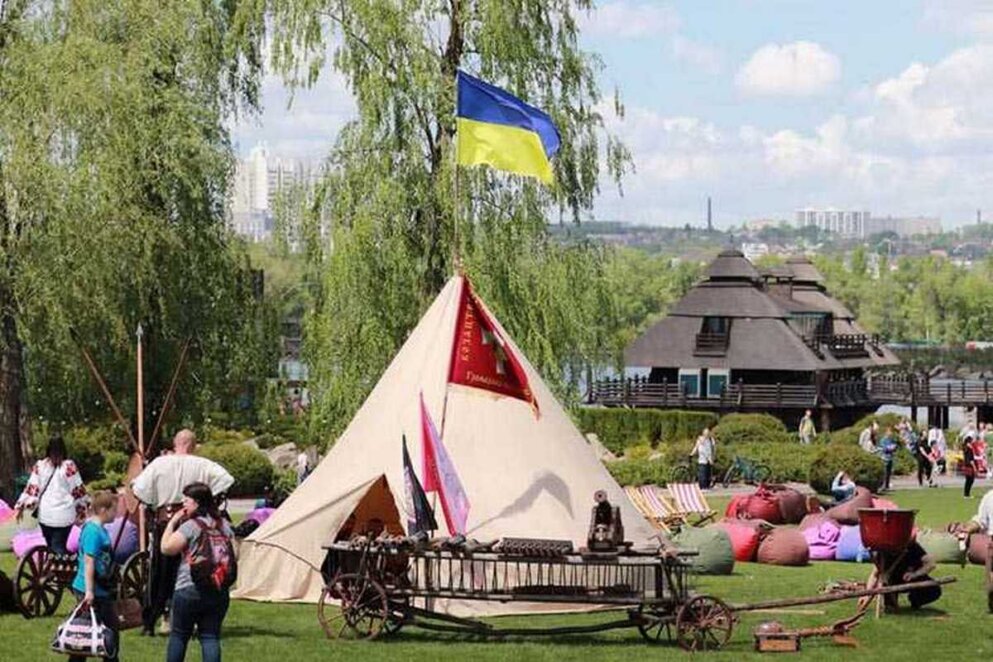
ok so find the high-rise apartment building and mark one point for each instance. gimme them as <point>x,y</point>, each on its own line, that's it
<point>258,180</point>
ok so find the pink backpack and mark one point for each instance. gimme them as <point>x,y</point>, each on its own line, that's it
<point>213,566</point>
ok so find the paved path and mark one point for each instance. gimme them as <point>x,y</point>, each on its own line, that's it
<point>898,483</point>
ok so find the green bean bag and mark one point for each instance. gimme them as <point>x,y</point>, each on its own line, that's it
<point>941,547</point>
<point>715,553</point>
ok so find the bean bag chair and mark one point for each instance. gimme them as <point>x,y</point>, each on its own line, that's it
<point>23,541</point>
<point>942,547</point>
<point>715,553</point>
<point>814,520</point>
<point>6,512</point>
<point>128,544</point>
<point>822,540</point>
<point>736,507</point>
<point>848,512</point>
<point>850,547</point>
<point>762,505</point>
<point>978,544</point>
<point>11,528</point>
<point>783,546</point>
<point>744,539</point>
<point>792,505</point>
<point>886,504</point>
<point>260,515</point>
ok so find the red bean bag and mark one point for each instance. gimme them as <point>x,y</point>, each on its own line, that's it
<point>848,512</point>
<point>792,505</point>
<point>763,505</point>
<point>744,539</point>
<point>978,544</point>
<point>784,546</point>
<point>736,506</point>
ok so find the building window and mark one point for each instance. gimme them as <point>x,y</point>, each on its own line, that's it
<point>717,381</point>
<point>716,325</point>
<point>689,382</point>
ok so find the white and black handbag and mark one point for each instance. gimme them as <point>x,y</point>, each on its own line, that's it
<point>83,634</point>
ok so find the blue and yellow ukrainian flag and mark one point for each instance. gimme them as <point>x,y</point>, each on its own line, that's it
<point>497,128</point>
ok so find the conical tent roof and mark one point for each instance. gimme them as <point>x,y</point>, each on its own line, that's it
<point>525,475</point>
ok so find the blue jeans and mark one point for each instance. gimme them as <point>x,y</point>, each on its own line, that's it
<point>703,476</point>
<point>206,611</point>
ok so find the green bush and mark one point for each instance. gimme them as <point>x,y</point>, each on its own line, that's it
<point>786,462</point>
<point>251,469</point>
<point>767,421</point>
<point>740,430</point>
<point>865,469</point>
<point>211,434</point>
<point>115,462</point>
<point>284,483</point>
<point>620,428</point>
<point>88,445</point>
<point>639,472</point>
<point>267,440</point>
<point>111,481</point>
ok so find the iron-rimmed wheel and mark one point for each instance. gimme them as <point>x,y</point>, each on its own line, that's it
<point>37,585</point>
<point>399,612</point>
<point>363,609</point>
<point>654,626</point>
<point>704,623</point>
<point>133,577</point>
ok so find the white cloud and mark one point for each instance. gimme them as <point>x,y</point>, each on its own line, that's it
<point>699,56</point>
<point>801,68</point>
<point>627,19</point>
<point>965,16</point>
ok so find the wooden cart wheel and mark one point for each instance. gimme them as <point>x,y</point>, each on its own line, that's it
<point>36,583</point>
<point>134,577</point>
<point>399,611</point>
<point>653,625</point>
<point>363,610</point>
<point>704,623</point>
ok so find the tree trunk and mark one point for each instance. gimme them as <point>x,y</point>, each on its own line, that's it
<point>11,391</point>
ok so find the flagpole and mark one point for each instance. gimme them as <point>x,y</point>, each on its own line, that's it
<point>456,248</point>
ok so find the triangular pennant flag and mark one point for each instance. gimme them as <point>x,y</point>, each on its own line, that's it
<point>420,517</point>
<point>481,358</point>
<point>440,476</point>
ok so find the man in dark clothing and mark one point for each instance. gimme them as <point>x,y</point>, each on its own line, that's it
<point>912,565</point>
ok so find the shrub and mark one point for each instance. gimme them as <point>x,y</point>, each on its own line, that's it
<point>115,462</point>
<point>267,440</point>
<point>284,482</point>
<point>111,481</point>
<point>210,434</point>
<point>742,429</point>
<point>620,428</point>
<point>251,469</point>
<point>641,452</point>
<point>864,468</point>
<point>786,462</point>
<point>88,445</point>
<point>639,472</point>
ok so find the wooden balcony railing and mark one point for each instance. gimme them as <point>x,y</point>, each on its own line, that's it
<point>639,392</point>
<point>846,345</point>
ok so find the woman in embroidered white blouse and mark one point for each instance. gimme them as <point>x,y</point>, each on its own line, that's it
<point>56,494</point>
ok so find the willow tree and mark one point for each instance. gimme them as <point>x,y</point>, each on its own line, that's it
<point>388,205</point>
<point>114,164</point>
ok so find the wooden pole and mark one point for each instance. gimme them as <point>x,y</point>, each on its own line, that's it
<point>108,397</point>
<point>142,521</point>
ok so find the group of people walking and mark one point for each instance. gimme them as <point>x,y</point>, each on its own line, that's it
<point>192,558</point>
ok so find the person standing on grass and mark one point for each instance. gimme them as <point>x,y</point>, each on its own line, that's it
<point>705,450</point>
<point>807,429</point>
<point>887,449</point>
<point>923,454</point>
<point>56,494</point>
<point>94,570</point>
<point>969,465</point>
<point>939,448</point>
<point>202,539</point>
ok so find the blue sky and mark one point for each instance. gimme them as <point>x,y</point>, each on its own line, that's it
<point>768,106</point>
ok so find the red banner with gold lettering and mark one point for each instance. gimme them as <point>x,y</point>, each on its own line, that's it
<point>481,357</point>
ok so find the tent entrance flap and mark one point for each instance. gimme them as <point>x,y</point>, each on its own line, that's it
<point>376,512</point>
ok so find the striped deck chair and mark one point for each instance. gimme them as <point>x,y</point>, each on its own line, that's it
<point>656,518</point>
<point>690,501</point>
<point>660,503</point>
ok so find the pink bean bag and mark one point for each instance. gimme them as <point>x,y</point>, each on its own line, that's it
<point>260,515</point>
<point>886,504</point>
<point>822,540</point>
<point>72,543</point>
<point>23,541</point>
<point>814,520</point>
<point>784,546</point>
<point>6,512</point>
<point>744,539</point>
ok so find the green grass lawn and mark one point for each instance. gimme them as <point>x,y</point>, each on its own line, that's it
<point>957,628</point>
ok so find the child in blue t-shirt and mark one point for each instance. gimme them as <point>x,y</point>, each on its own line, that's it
<point>887,449</point>
<point>94,565</point>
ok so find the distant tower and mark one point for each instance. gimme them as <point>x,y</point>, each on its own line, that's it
<point>710,218</point>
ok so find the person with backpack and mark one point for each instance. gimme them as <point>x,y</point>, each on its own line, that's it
<point>207,570</point>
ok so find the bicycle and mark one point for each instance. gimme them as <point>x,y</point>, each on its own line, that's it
<point>749,472</point>
<point>686,472</point>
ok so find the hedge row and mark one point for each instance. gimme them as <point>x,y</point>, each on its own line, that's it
<point>621,428</point>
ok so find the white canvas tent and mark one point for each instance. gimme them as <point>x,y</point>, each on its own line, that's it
<point>525,476</point>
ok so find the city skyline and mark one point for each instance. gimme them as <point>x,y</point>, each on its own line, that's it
<point>768,106</point>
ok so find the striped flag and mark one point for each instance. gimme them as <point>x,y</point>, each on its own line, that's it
<point>440,476</point>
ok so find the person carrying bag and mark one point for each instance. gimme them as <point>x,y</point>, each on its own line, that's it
<point>91,630</point>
